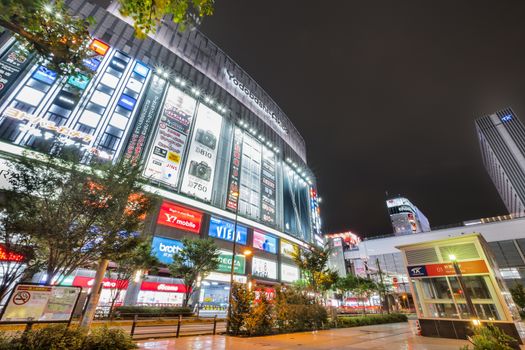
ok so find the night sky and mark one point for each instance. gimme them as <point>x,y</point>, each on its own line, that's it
<point>385,94</point>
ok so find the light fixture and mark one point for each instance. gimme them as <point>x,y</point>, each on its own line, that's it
<point>165,74</point>
<point>182,83</point>
<point>452,257</point>
<point>177,80</point>
<point>247,252</point>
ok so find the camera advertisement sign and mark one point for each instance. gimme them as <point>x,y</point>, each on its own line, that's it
<point>179,217</point>
<point>224,229</point>
<point>233,185</point>
<point>166,152</point>
<point>200,165</point>
<point>39,303</point>
<point>264,268</point>
<point>164,248</point>
<point>225,263</point>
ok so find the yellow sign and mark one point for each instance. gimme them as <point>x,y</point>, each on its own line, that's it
<point>173,157</point>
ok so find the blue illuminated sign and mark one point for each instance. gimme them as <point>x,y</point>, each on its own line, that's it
<point>127,102</point>
<point>91,63</point>
<point>223,229</point>
<point>46,76</point>
<point>80,81</point>
<point>141,69</point>
<point>164,248</point>
<point>506,118</point>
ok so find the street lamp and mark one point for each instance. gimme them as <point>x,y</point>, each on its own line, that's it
<point>470,306</point>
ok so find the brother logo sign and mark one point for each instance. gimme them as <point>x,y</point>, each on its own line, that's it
<point>164,248</point>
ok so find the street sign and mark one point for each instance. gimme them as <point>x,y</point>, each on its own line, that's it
<point>40,303</point>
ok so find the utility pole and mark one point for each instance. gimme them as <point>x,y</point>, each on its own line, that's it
<point>91,307</point>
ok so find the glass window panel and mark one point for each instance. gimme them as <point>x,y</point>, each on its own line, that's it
<point>436,288</point>
<point>442,310</point>
<point>30,96</point>
<point>109,80</point>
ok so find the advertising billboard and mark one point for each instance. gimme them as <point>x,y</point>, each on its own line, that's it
<point>268,187</point>
<point>296,209</point>
<point>174,215</point>
<point>224,229</point>
<point>264,268</point>
<point>250,178</point>
<point>289,273</point>
<point>287,248</point>
<point>202,155</point>
<point>45,75</point>
<point>264,242</point>
<point>163,248</point>
<point>165,156</point>
<point>225,263</point>
<point>235,169</point>
<point>12,62</point>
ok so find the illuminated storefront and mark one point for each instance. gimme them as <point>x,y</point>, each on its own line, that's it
<point>226,160</point>
<point>455,285</point>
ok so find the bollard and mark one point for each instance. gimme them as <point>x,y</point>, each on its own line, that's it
<point>214,324</point>
<point>29,325</point>
<point>135,318</point>
<point>178,326</point>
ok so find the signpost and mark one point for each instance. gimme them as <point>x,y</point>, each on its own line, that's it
<point>35,303</point>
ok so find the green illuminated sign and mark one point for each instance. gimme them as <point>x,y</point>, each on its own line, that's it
<point>225,263</point>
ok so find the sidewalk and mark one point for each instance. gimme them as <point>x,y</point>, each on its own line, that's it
<point>396,336</point>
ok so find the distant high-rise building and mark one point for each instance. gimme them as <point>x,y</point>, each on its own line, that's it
<point>406,217</point>
<point>502,140</point>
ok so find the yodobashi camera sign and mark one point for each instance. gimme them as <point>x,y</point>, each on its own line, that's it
<point>200,165</point>
<point>164,160</point>
<point>164,248</point>
<point>224,229</point>
<point>174,215</point>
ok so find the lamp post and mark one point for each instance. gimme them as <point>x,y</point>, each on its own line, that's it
<point>468,301</point>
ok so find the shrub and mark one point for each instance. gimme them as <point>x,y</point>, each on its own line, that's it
<point>151,311</point>
<point>108,339</point>
<point>260,320</point>
<point>62,338</point>
<point>491,337</point>
<point>358,321</point>
<point>296,311</point>
<point>242,299</point>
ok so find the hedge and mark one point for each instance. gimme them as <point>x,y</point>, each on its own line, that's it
<point>151,311</point>
<point>356,321</point>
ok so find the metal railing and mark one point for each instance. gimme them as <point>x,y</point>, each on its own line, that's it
<point>176,327</point>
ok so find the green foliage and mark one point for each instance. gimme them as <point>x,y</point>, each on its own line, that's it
<point>357,321</point>
<point>260,320</point>
<point>147,15</point>
<point>108,339</point>
<point>60,337</point>
<point>128,263</point>
<point>490,337</point>
<point>313,263</point>
<point>296,311</point>
<point>145,311</point>
<point>241,303</point>
<point>60,40</point>
<point>196,259</point>
<point>518,294</point>
<point>74,214</point>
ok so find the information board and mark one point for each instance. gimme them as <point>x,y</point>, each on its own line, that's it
<point>40,303</point>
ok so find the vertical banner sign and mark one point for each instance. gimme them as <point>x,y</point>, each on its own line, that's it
<point>268,187</point>
<point>12,62</point>
<point>166,152</point>
<point>200,166</point>
<point>233,186</point>
<point>144,122</point>
<point>250,188</point>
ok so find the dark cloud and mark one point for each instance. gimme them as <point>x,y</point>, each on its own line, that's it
<point>385,94</point>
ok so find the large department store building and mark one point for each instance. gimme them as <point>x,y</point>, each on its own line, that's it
<point>205,131</point>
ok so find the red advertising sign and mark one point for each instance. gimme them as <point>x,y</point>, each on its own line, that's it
<point>87,282</point>
<point>466,267</point>
<point>163,287</point>
<point>182,218</point>
<point>6,255</point>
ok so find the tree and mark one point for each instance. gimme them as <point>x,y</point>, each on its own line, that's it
<point>147,15</point>
<point>61,40</point>
<point>358,286</point>
<point>518,294</point>
<point>260,320</point>
<point>75,214</point>
<point>128,263</point>
<point>241,302</point>
<point>313,264</point>
<point>196,259</point>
